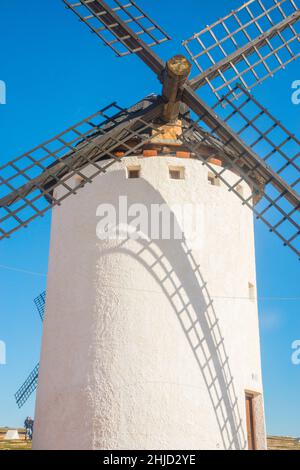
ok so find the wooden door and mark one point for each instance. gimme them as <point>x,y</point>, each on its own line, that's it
<point>250,422</point>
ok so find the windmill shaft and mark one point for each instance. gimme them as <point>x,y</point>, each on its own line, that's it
<point>76,159</point>
<point>175,76</point>
<point>246,50</point>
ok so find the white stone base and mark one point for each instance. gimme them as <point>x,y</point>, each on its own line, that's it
<point>12,435</point>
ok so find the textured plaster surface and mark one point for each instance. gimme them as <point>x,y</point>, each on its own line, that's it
<point>149,344</point>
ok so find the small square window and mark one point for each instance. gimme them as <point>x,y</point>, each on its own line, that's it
<point>133,173</point>
<point>176,173</point>
<point>213,180</point>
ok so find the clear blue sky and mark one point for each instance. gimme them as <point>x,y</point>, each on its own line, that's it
<point>58,73</point>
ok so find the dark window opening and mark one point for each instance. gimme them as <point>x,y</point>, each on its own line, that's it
<point>176,173</point>
<point>133,173</point>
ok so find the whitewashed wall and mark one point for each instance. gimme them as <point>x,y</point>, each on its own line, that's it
<point>150,344</point>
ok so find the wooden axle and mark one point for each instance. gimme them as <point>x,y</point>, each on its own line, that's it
<point>175,76</point>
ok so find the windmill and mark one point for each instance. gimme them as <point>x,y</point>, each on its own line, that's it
<point>242,148</point>
<point>30,384</point>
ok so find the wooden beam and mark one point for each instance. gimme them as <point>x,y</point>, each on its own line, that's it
<point>175,76</point>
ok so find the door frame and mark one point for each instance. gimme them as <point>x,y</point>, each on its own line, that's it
<point>250,419</point>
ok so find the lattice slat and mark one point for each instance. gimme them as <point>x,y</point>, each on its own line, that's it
<point>274,143</point>
<point>28,387</point>
<point>40,303</point>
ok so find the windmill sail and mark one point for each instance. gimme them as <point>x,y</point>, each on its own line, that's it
<point>28,184</point>
<point>250,44</point>
<point>269,165</point>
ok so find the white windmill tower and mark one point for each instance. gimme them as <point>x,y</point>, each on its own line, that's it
<point>152,341</point>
